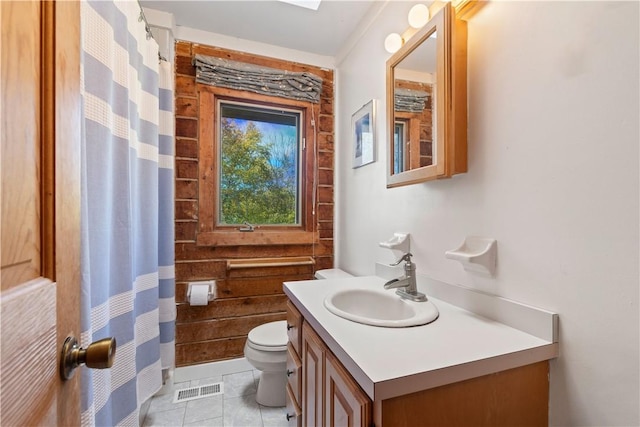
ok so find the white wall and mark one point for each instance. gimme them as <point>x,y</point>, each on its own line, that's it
<point>553,176</point>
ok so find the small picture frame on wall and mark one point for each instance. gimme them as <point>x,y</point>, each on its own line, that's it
<point>363,124</point>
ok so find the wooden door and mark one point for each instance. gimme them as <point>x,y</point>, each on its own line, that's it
<point>40,168</point>
<point>345,404</point>
<point>313,351</point>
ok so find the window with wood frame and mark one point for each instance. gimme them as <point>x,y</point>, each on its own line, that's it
<point>256,169</point>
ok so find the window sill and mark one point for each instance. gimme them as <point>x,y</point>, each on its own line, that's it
<point>247,238</point>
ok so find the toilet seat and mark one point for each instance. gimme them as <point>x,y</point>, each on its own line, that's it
<point>269,337</point>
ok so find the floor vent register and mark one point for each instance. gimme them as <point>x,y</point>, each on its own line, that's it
<point>199,392</point>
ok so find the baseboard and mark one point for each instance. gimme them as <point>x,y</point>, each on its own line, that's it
<point>211,369</point>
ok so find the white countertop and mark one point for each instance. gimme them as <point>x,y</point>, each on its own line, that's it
<point>388,362</point>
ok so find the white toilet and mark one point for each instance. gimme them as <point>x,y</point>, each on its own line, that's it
<point>266,350</point>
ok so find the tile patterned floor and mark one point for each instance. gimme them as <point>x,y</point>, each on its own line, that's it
<point>237,407</point>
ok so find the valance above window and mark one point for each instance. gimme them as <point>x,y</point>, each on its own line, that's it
<point>413,101</point>
<point>301,86</point>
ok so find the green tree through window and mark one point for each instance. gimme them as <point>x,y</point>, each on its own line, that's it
<point>259,166</point>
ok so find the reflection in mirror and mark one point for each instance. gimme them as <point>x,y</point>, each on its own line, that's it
<point>414,116</point>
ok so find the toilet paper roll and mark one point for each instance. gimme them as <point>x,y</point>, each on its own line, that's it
<point>199,294</point>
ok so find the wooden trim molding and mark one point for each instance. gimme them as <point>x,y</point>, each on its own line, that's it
<point>465,9</point>
<point>209,233</point>
<point>234,264</point>
<point>240,238</point>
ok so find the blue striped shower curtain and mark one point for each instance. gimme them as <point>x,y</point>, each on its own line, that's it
<point>127,211</point>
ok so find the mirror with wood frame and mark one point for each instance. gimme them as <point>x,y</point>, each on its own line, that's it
<point>427,103</point>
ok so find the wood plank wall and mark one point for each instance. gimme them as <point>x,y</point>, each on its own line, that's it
<point>425,118</point>
<point>245,297</point>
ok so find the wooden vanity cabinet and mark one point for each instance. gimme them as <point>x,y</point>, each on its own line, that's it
<point>321,392</point>
<point>294,413</point>
<point>330,395</point>
<point>345,404</point>
<point>294,366</point>
<point>294,327</point>
<point>313,358</point>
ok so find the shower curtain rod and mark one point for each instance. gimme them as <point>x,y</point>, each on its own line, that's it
<point>147,28</point>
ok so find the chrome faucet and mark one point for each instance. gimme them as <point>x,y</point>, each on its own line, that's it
<point>406,285</point>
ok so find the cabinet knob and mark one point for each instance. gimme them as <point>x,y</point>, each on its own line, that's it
<point>289,327</point>
<point>290,372</point>
<point>290,416</point>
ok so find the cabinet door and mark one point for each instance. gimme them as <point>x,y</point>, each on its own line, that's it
<point>313,351</point>
<point>294,372</point>
<point>346,405</point>
<point>294,413</point>
<point>294,324</point>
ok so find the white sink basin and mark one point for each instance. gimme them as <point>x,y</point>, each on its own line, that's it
<point>380,308</point>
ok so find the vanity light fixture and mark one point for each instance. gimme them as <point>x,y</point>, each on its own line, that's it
<point>393,42</point>
<point>418,16</point>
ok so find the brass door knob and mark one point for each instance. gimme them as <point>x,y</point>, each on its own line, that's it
<point>98,355</point>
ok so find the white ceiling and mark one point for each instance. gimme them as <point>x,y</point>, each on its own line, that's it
<point>322,32</point>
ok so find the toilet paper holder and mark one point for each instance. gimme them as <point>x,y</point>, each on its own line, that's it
<point>211,293</point>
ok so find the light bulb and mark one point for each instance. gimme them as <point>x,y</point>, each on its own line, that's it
<point>418,16</point>
<point>393,42</point>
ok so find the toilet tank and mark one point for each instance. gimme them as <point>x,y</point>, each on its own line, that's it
<point>332,273</point>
